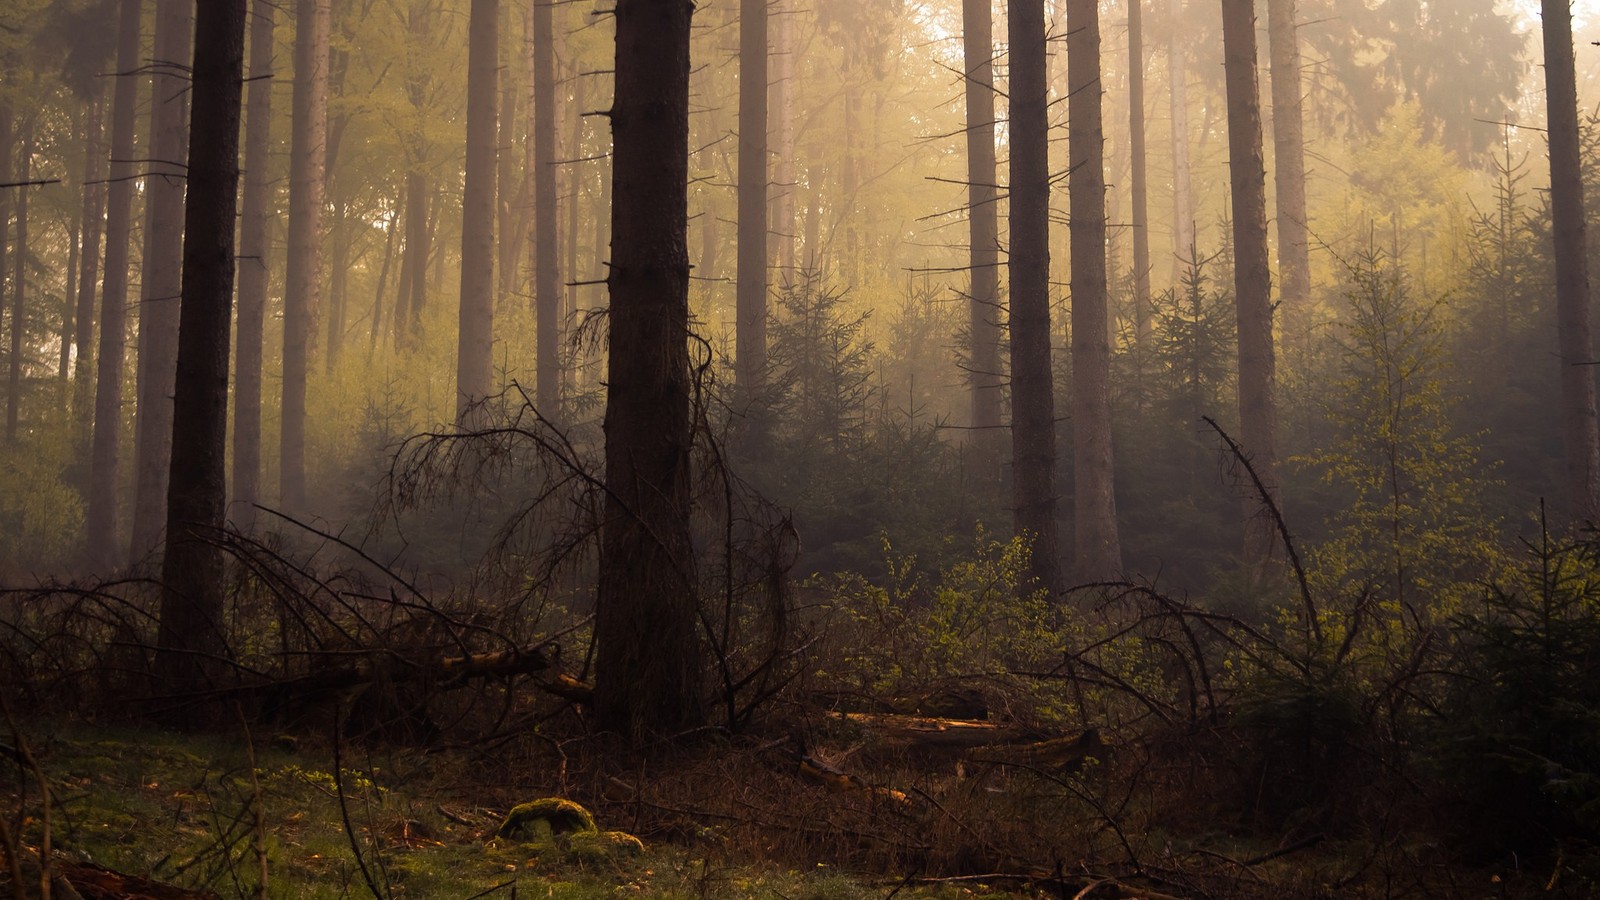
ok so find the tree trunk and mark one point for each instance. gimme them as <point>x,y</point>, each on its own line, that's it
<point>191,632</point>
<point>1033,425</point>
<point>1252,276</point>
<point>473,356</point>
<point>253,270</point>
<point>102,516</point>
<point>575,170</point>
<point>7,128</point>
<point>1139,176</point>
<point>780,210</point>
<point>506,172</point>
<point>414,281</point>
<point>302,282</point>
<point>983,221</point>
<point>1097,550</point>
<point>161,274</point>
<point>547,280</point>
<point>648,654</point>
<point>1183,236</point>
<point>750,318</point>
<point>19,284</point>
<point>69,303</point>
<point>94,205</point>
<point>1288,136</point>
<point>383,282</point>
<point>1582,437</point>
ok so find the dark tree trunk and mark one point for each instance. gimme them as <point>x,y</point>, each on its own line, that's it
<point>253,270</point>
<point>19,285</point>
<point>1139,175</point>
<point>191,632</point>
<point>506,170</point>
<point>473,355</point>
<point>107,441</point>
<point>1289,156</point>
<point>413,278</point>
<point>750,319</point>
<point>69,303</point>
<point>983,221</point>
<point>1183,239</point>
<point>302,282</point>
<point>1033,425</point>
<point>547,279</point>
<point>648,654</point>
<point>7,127</point>
<point>1582,436</point>
<point>383,283</point>
<point>94,206</point>
<point>161,273</point>
<point>1097,551</point>
<point>1252,276</point>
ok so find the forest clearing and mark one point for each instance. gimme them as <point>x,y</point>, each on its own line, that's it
<point>831,449</point>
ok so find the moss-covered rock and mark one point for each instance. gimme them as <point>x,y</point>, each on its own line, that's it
<point>539,821</point>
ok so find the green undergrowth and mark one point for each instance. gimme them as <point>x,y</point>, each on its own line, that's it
<point>183,809</point>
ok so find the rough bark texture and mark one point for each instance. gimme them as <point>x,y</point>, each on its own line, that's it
<point>1183,248</point>
<point>983,229</point>
<point>94,207</point>
<point>161,273</point>
<point>7,127</point>
<point>780,121</point>
<point>302,284</point>
<point>1033,427</point>
<point>1289,157</point>
<point>1579,427</point>
<point>1252,276</point>
<point>19,284</point>
<point>102,545</point>
<point>1141,188</point>
<point>476,336</point>
<point>191,630</point>
<point>1097,551</point>
<point>648,655</point>
<point>750,321</point>
<point>506,182</point>
<point>547,280</point>
<point>253,270</point>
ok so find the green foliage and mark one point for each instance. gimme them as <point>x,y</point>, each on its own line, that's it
<point>41,516</point>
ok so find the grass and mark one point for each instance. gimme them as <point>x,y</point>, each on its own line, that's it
<point>182,809</point>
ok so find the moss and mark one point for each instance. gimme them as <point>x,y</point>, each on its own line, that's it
<point>542,819</point>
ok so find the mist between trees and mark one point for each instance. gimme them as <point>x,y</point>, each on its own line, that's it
<point>1244,348</point>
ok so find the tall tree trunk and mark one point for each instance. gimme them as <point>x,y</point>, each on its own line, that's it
<point>1288,136</point>
<point>337,195</point>
<point>253,269</point>
<point>69,303</point>
<point>191,632</point>
<point>575,170</point>
<point>1139,175</point>
<point>19,285</point>
<point>983,228</point>
<point>161,275</point>
<point>1183,224</point>
<point>780,211</point>
<point>383,282</point>
<point>1252,276</point>
<point>1033,418</point>
<point>302,284</point>
<point>750,320</point>
<point>547,280</point>
<point>506,170</point>
<point>413,277</point>
<point>473,355</point>
<point>94,207</point>
<point>7,129</point>
<point>1582,436</point>
<point>1097,549</point>
<point>107,441</point>
<point>648,654</point>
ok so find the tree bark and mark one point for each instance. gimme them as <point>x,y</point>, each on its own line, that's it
<point>1252,276</point>
<point>1183,236</point>
<point>191,628</point>
<point>547,279</point>
<point>1097,550</point>
<point>473,356</point>
<point>94,207</point>
<point>1579,428</point>
<point>1289,155</point>
<point>1139,175</point>
<point>750,328</point>
<point>101,529</point>
<point>19,285</point>
<point>302,282</point>
<point>1033,425</point>
<point>69,304</point>
<point>780,203</point>
<point>648,653</point>
<point>161,273</point>
<point>253,270</point>
<point>506,173</point>
<point>983,229</point>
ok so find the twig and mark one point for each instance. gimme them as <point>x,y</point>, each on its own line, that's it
<point>344,812</point>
